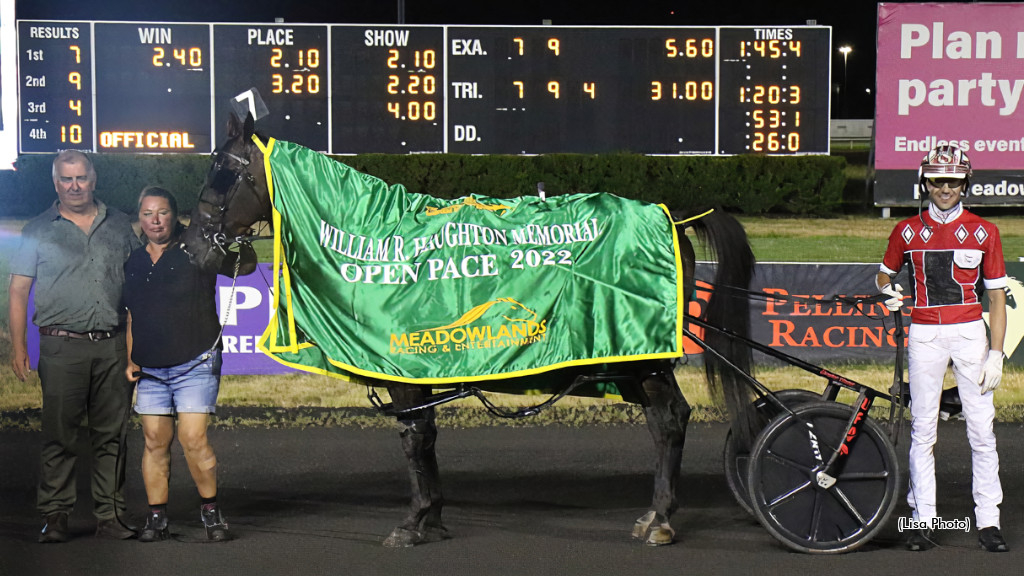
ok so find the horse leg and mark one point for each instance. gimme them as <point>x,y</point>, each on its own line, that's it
<point>668,414</point>
<point>419,435</point>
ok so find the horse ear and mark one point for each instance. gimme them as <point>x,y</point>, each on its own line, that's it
<point>250,126</point>
<point>234,126</point>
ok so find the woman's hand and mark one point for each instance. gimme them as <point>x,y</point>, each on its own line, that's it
<point>132,372</point>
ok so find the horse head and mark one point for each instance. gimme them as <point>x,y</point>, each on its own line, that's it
<point>233,198</point>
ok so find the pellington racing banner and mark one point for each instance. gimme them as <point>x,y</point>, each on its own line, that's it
<point>950,73</point>
<point>375,281</point>
<point>827,334</point>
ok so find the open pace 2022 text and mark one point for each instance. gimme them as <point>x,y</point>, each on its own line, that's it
<point>148,87</point>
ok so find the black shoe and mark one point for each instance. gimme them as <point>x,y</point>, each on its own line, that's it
<point>990,539</point>
<point>156,527</point>
<point>216,525</point>
<point>921,539</point>
<point>115,530</point>
<point>56,529</point>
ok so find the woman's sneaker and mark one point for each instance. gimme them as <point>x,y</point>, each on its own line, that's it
<point>216,525</point>
<point>156,527</point>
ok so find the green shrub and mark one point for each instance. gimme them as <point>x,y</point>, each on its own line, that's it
<point>11,197</point>
<point>119,179</point>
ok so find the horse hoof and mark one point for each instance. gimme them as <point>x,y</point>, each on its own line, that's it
<point>642,524</point>
<point>653,529</point>
<point>435,533</point>
<point>662,535</point>
<point>403,538</point>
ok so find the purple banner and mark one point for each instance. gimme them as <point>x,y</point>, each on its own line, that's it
<point>244,311</point>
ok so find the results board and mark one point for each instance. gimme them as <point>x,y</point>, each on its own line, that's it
<point>144,87</point>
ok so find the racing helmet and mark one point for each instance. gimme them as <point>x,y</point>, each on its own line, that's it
<point>945,161</point>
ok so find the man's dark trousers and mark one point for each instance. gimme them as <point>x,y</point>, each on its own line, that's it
<point>83,381</point>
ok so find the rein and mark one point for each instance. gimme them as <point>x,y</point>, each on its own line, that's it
<point>463,391</point>
<point>829,301</point>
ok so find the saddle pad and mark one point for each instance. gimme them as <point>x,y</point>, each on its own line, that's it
<point>373,281</point>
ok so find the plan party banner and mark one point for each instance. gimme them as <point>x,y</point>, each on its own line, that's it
<point>950,73</point>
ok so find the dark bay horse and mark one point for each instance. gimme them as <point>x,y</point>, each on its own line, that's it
<point>235,196</point>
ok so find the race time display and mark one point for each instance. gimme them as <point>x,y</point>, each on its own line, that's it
<point>149,87</point>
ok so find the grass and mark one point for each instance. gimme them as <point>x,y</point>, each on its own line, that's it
<point>836,239</point>
<point>301,390</point>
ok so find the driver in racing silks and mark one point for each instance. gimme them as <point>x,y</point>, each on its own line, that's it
<point>951,254</point>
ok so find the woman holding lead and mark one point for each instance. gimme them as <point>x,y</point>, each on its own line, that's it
<point>174,355</point>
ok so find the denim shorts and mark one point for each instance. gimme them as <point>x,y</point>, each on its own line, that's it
<point>191,387</point>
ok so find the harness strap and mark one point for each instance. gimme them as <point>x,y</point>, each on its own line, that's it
<point>692,218</point>
<point>831,300</point>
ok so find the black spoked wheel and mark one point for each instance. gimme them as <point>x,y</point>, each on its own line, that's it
<point>736,459</point>
<point>790,500</point>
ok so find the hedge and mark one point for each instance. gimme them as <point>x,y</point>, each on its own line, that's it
<point>810,185</point>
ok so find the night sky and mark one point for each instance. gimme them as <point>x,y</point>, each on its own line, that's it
<point>853,23</point>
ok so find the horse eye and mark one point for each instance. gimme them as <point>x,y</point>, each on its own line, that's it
<point>222,180</point>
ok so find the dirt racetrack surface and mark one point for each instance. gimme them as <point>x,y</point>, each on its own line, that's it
<point>531,501</point>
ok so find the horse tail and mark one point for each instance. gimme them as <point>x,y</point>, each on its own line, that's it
<point>726,241</point>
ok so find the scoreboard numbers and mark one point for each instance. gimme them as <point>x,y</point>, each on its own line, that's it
<point>135,87</point>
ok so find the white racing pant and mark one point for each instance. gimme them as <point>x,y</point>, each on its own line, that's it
<point>931,348</point>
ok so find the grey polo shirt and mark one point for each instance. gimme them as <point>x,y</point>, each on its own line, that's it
<point>78,276</point>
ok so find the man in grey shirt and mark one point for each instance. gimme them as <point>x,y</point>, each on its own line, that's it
<point>74,253</point>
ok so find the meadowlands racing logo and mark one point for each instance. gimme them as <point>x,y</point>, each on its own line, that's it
<point>500,323</point>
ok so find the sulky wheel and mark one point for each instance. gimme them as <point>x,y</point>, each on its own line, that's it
<point>785,489</point>
<point>735,459</point>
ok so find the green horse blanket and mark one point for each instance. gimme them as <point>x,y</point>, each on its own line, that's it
<point>371,280</point>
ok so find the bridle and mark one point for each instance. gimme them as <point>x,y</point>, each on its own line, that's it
<point>225,181</point>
